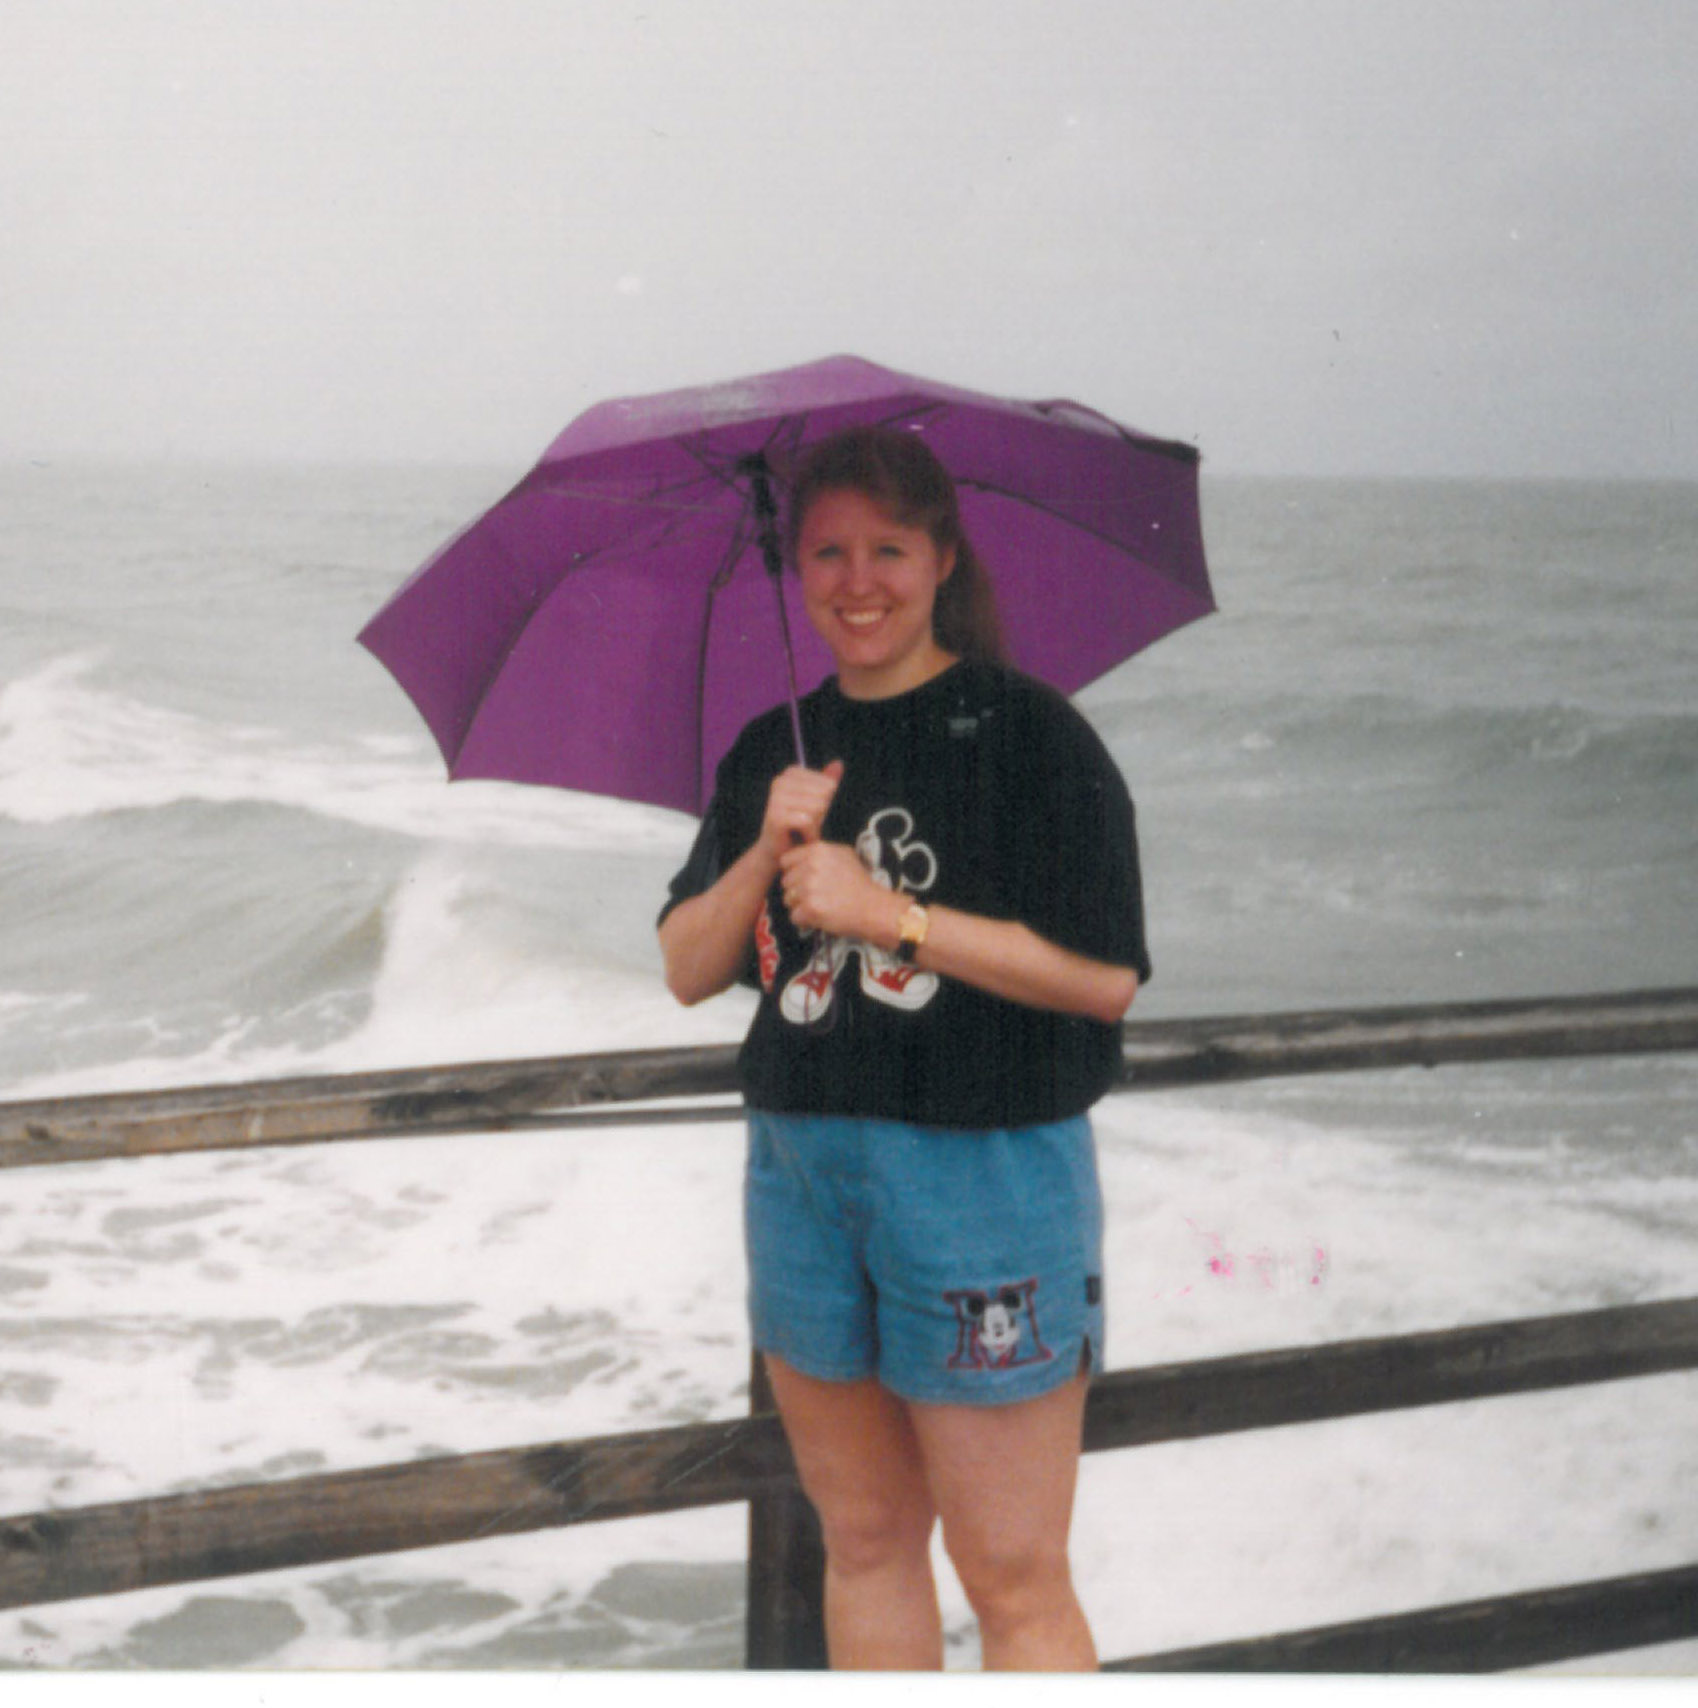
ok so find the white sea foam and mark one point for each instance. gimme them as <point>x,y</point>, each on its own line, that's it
<point>461,980</point>
<point>461,977</point>
<point>71,748</point>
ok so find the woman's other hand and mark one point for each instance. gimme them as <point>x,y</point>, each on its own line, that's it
<point>705,940</point>
<point>796,806</point>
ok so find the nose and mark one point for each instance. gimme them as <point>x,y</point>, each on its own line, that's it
<point>858,568</point>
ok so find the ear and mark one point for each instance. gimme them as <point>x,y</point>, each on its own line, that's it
<point>947,567</point>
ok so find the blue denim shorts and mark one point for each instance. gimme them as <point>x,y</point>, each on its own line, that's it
<point>959,1268</point>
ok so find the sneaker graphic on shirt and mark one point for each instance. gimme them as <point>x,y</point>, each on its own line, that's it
<point>807,999</point>
<point>899,983</point>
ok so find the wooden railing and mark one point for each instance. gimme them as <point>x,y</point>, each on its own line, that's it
<point>101,1550</point>
<point>561,1092</point>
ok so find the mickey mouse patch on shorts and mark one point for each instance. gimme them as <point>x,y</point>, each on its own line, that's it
<point>996,1328</point>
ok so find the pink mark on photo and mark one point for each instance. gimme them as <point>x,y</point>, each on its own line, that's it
<point>1271,1270</point>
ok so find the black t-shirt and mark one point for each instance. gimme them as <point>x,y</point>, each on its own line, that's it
<point>982,790</point>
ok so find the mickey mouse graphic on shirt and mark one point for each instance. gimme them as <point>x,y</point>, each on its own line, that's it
<point>896,860</point>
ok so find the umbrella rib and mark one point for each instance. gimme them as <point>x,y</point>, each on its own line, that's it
<point>1031,503</point>
<point>493,675</point>
<point>679,521</point>
<point>511,645</point>
<point>716,467</point>
<point>659,493</point>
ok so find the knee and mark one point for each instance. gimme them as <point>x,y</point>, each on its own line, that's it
<point>1007,1581</point>
<point>869,1531</point>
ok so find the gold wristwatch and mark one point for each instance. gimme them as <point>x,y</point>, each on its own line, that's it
<point>911,933</point>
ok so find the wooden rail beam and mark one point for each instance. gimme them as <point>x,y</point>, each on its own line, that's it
<point>107,1550</point>
<point>560,1091</point>
<point>1351,1378</point>
<point>1534,1629</point>
<point>467,1097</point>
<point>1166,1053</point>
<point>104,1550</point>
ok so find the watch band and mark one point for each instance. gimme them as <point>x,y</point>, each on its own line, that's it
<point>911,933</point>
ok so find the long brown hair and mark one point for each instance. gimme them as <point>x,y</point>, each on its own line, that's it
<point>899,472</point>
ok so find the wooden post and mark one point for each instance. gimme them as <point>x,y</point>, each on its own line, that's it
<point>785,1629</point>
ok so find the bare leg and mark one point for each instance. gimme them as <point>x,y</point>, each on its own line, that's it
<point>861,1468</point>
<point>1003,1478</point>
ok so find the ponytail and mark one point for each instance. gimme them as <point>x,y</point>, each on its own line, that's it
<point>964,619</point>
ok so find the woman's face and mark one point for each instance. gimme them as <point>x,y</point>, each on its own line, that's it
<point>869,583</point>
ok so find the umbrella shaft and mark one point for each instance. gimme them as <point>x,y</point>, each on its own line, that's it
<point>790,668</point>
<point>766,532</point>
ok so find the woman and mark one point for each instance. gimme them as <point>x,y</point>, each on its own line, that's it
<point>945,924</point>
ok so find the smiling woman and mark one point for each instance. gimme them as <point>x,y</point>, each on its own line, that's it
<point>888,494</point>
<point>945,923</point>
<point>869,583</point>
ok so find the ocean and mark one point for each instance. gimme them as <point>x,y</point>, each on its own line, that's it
<point>1441,743</point>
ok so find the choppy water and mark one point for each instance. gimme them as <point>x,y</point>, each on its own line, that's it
<point>1440,744</point>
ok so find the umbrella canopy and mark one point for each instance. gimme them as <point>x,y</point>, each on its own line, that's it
<point>610,624</point>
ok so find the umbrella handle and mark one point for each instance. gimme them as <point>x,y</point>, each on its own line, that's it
<point>759,472</point>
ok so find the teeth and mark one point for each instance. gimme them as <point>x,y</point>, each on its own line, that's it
<point>862,619</point>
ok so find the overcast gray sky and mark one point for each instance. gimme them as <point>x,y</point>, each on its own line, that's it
<point>1317,236</point>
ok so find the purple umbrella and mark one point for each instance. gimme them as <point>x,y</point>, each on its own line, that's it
<point>610,624</point>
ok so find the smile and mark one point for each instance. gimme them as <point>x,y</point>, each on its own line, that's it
<point>861,619</point>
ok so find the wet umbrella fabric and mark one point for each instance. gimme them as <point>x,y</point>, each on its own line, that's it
<point>610,624</point>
